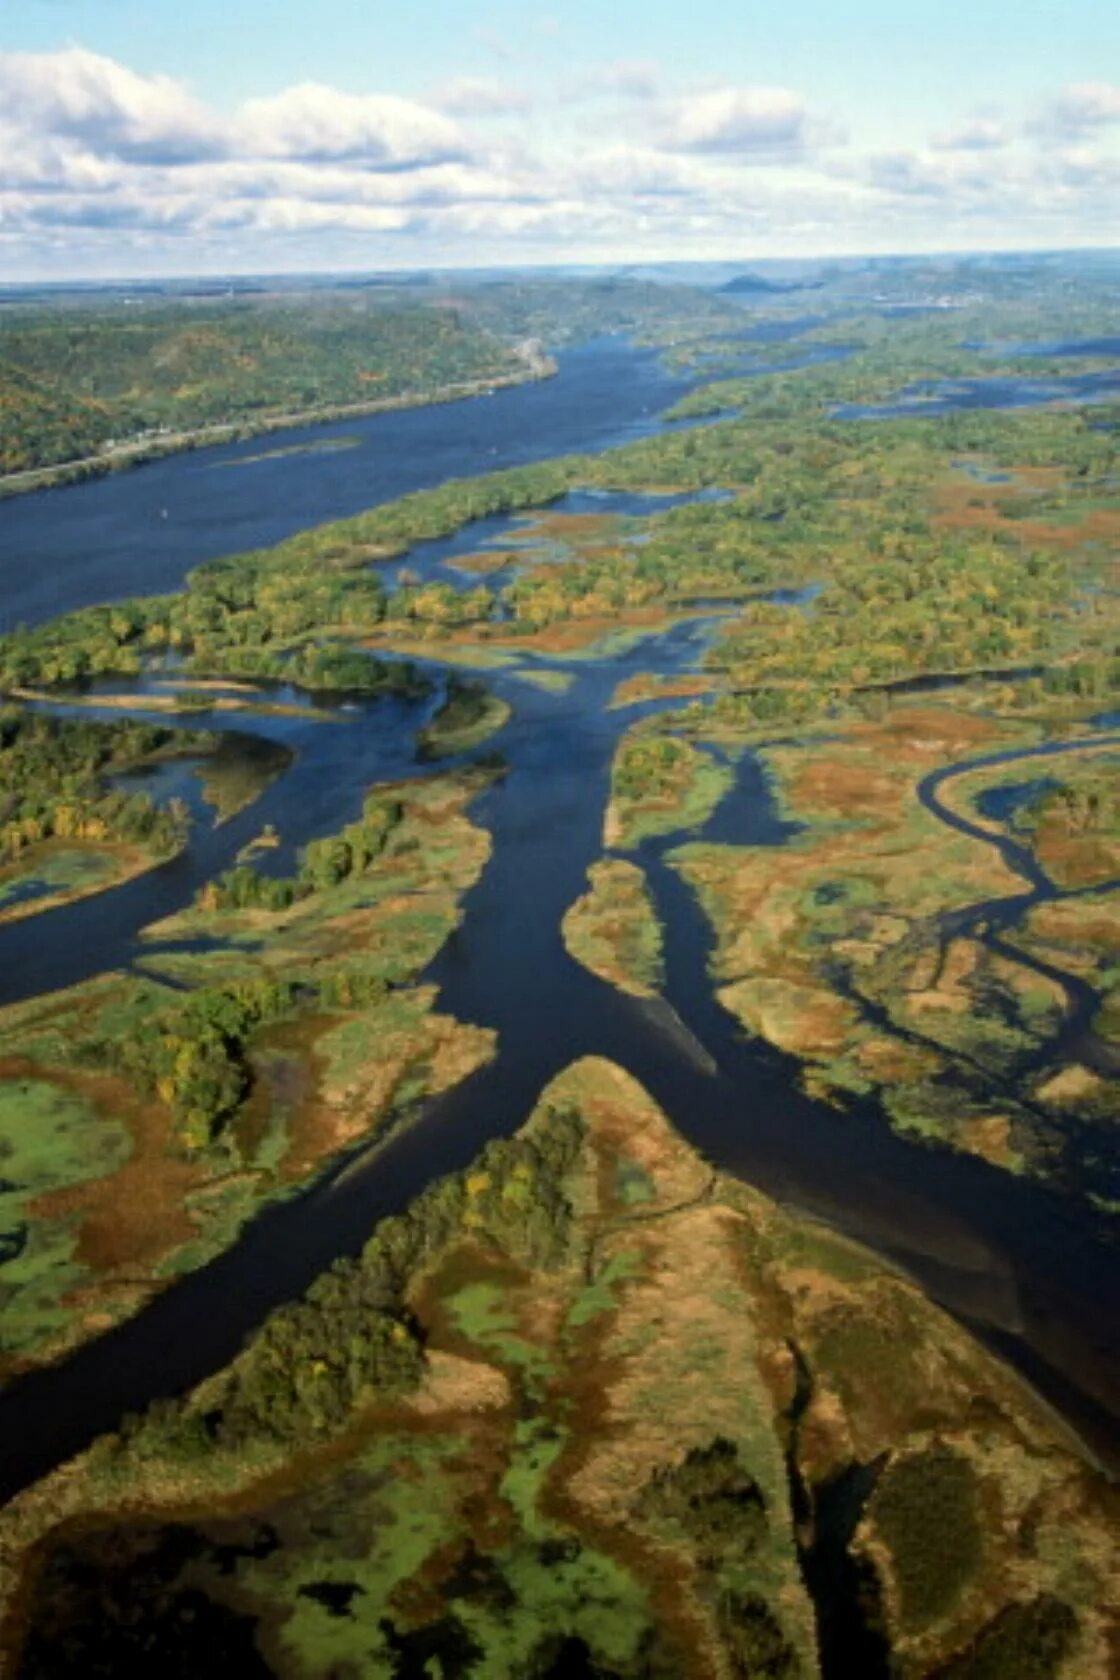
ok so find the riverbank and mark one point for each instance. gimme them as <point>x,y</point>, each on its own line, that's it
<point>537,365</point>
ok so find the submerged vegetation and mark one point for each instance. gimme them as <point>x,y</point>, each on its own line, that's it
<point>468,716</point>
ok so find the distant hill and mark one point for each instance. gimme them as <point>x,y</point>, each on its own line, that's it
<point>755,283</point>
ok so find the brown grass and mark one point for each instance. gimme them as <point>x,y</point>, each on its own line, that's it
<point>646,686</point>
<point>978,507</point>
<point>135,1215</point>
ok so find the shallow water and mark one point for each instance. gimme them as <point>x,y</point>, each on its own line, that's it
<point>1103,346</point>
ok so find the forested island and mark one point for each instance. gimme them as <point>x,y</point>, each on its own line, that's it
<point>696,1014</point>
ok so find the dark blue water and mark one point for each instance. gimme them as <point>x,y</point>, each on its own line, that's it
<point>721,365</point>
<point>334,763</point>
<point>1055,347</point>
<point>1001,1250</point>
<point>778,331</point>
<point>1001,804</point>
<point>140,532</point>
<point>1072,347</point>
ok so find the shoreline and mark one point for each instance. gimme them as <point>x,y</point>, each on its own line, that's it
<point>537,365</point>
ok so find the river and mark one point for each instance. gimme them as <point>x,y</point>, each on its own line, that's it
<point>139,532</point>
<point>1019,1261</point>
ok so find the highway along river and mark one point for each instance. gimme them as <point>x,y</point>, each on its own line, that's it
<point>1018,1261</point>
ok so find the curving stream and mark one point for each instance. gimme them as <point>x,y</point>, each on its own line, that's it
<point>989,919</point>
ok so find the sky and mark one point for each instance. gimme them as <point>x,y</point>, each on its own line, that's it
<point>142,137</point>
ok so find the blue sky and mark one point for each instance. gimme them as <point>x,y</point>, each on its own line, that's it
<point>137,136</point>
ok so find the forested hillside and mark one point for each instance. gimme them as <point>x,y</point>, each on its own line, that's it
<point>77,381</point>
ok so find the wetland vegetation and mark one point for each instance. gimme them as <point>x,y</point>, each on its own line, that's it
<point>586,1402</point>
<point>832,701</point>
<point>266,1029</point>
<point>75,817</point>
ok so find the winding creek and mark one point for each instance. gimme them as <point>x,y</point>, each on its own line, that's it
<point>988,920</point>
<point>1016,1260</point>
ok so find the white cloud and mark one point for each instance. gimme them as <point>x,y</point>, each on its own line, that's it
<point>479,96</point>
<point>1084,105</point>
<point>623,78</point>
<point>345,183</point>
<point>322,124</point>
<point>296,215</point>
<point>978,134</point>
<point>761,120</point>
<point>48,164</point>
<point>641,172</point>
<point>1079,168</point>
<point>97,161</point>
<point>110,110</point>
<point>959,178</point>
<point>907,173</point>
